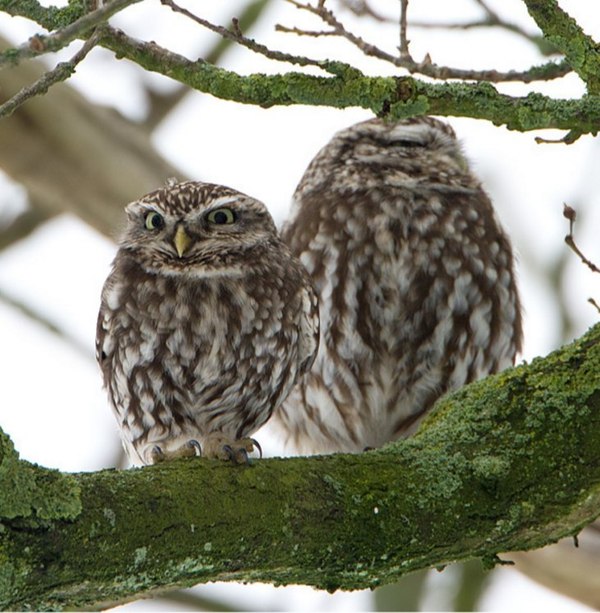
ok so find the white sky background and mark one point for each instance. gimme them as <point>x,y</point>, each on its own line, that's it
<point>52,403</point>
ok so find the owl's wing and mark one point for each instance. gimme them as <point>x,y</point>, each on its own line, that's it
<point>104,337</point>
<point>309,328</point>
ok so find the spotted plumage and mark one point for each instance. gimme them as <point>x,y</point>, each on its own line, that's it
<point>205,324</point>
<point>415,278</point>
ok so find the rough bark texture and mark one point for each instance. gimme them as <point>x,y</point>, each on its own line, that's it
<point>508,463</point>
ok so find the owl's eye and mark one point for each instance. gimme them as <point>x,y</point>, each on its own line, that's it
<point>221,216</point>
<point>154,220</point>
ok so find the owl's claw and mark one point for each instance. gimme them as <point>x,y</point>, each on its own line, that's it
<point>235,451</point>
<point>190,449</point>
<point>194,445</point>
<point>256,444</point>
<point>157,455</point>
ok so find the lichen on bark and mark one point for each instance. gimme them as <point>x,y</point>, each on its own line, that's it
<point>508,463</point>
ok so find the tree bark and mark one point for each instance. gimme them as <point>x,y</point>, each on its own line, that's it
<point>507,463</point>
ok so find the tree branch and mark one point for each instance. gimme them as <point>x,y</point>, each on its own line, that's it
<point>482,476</point>
<point>392,96</point>
<point>61,72</point>
<point>40,44</point>
<point>580,50</point>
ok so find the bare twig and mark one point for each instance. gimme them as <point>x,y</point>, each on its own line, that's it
<point>237,36</point>
<point>362,8</point>
<point>594,304</point>
<point>491,19</point>
<point>40,44</point>
<point>404,52</point>
<point>551,70</point>
<point>61,72</point>
<point>570,214</point>
<point>162,104</point>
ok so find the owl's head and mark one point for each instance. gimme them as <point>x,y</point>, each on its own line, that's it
<point>194,227</point>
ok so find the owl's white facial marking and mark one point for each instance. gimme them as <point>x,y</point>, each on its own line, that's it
<point>197,229</point>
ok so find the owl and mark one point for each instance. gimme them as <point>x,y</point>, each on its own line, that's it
<point>415,278</point>
<point>206,322</point>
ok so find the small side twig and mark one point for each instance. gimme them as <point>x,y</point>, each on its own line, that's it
<point>570,214</point>
<point>40,44</point>
<point>236,35</point>
<point>548,71</point>
<point>61,72</point>
<point>404,52</point>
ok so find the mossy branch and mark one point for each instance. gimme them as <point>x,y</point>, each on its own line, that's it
<point>561,30</point>
<point>508,463</point>
<point>345,86</point>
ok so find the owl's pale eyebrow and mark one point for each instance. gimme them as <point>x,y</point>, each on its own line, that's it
<point>219,202</point>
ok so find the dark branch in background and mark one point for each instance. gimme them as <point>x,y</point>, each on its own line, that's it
<point>39,318</point>
<point>162,104</point>
<point>22,226</point>
<point>61,72</point>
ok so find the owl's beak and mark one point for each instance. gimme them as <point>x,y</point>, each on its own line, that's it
<point>182,240</point>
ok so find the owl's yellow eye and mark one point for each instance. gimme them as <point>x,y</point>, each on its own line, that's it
<point>154,220</point>
<point>221,216</point>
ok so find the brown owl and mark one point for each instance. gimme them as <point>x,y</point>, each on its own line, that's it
<point>206,322</point>
<point>415,278</point>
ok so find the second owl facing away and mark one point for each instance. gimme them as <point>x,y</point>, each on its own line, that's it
<point>416,283</point>
<point>205,324</point>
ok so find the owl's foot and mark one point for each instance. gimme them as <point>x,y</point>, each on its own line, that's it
<point>221,448</point>
<point>188,450</point>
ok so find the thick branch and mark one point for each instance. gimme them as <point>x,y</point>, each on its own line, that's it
<point>509,463</point>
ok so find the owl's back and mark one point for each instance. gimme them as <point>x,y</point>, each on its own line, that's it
<point>415,281</point>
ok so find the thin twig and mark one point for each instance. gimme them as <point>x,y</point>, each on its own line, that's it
<point>237,36</point>
<point>570,214</point>
<point>594,304</point>
<point>361,8</point>
<point>40,44</point>
<point>61,72</point>
<point>404,52</point>
<point>551,70</point>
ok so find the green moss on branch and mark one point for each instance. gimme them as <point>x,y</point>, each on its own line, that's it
<point>349,87</point>
<point>508,463</point>
<point>562,31</point>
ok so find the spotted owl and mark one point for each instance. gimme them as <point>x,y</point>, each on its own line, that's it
<point>415,278</point>
<point>205,324</point>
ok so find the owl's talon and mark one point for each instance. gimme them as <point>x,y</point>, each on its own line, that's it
<point>195,446</point>
<point>241,457</point>
<point>229,453</point>
<point>157,455</point>
<point>256,444</point>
